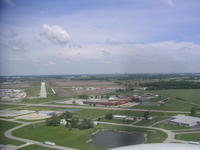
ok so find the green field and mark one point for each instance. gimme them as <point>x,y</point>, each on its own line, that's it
<point>189,137</point>
<point>180,100</point>
<point>50,97</point>
<point>5,106</point>
<point>169,126</point>
<point>33,92</point>
<point>77,138</point>
<point>5,125</point>
<point>189,95</point>
<point>35,147</point>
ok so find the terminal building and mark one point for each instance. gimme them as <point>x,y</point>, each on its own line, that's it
<point>186,120</point>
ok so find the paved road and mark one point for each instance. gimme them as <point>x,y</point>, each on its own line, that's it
<point>9,135</point>
<point>91,107</point>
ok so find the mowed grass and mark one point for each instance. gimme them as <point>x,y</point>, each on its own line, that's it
<point>5,106</point>
<point>77,138</point>
<point>171,104</point>
<point>179,99</point>
<point>169,126</point>
<point>33,92</point>
<point>189,137</point>
<point>5,125</point>
<point>189,95</point>
<point>35,147</point>
<point>50,97</point>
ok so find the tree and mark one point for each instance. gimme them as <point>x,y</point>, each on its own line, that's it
<point>109,116</point>
<point>66,115</point>
<point>53,121</point>
<point>86,124</point>
<point>74,122</point>
<point>193,111</point>
<point>146,115</point>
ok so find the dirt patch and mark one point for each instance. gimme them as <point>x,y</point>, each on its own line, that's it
<point>61,92</point>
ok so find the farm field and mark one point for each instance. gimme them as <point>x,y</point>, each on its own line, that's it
<point>5,125</point>
<point>77,138</point>
<point>71,83</point>
<point>24,84</point>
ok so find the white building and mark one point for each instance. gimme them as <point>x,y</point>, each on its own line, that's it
<point>186,120</point>
<point>122,117</point>
<point>63,122</point>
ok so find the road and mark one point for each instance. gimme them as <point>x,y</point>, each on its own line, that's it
<point>91,107</point>
<point>9,135</point>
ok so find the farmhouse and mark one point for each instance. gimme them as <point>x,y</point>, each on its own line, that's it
<point>185,120</point>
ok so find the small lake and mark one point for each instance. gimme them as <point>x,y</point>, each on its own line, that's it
<point>111,139</point>
<point>72,110</point>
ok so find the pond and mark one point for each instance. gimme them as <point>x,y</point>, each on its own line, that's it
<point>111,139</point>
<point>72,110</point>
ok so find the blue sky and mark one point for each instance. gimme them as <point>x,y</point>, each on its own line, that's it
<point>99,36</point>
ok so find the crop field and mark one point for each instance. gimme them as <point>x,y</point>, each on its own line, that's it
<point>70,83</point>
<point>24,84</point>
<point>5,125</point>
<point>92,92</point>
<point>77,138</point>
<point>65,92</point>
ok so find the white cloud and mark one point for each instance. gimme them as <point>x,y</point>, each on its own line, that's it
<point>168,2</point>
<point>9,2</point>
<point>51,63</point>
<point>55,34</point>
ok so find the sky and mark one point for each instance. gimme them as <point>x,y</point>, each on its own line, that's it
<point>48,37</point>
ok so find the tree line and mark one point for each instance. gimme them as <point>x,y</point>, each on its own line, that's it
<point>172,85</point>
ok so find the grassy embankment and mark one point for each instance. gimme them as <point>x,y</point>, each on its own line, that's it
<point>35,147</point>
<point>5,125</point>
<point>5,106</point>
<point>189,137</point>
<point>170,126</point>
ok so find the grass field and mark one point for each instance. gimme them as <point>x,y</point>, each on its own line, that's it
<point>170,126</point>
<point>33,92</point>
<point>189,137</point>
<point>50,97</point>
<point>179,99</point>
<point>35,147</point>
<point>77,138</point>
<point>189,95</point>
<point>5,125</point>
<point>5,106</point>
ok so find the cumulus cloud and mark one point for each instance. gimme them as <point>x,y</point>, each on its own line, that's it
<point>9,2</point>
<point>168,2</point>
<point>55,34</point>
<point>18,46</point>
